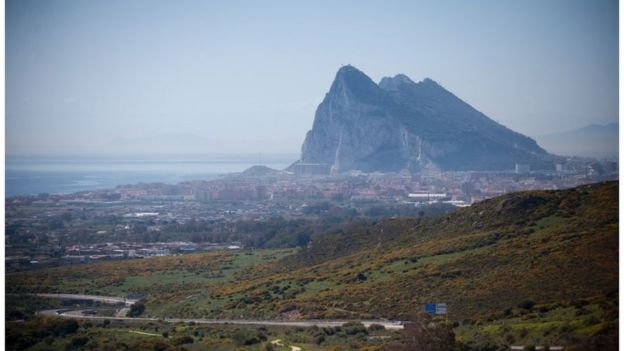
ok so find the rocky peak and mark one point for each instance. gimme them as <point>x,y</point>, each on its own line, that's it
<point>431,85</point>
<point>354,84</point>
<point>430,81</point>
<point>401,84</point>
<point>402,125</point>
<point>395,83</point>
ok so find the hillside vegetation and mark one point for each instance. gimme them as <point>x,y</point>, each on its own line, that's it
<point>544,246</point>
<point>513,268</point>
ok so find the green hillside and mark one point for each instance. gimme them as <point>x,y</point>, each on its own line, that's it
<point>544,246</point>
<point>537,264</point>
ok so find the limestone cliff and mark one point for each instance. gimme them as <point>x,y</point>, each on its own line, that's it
<point>403,125</point>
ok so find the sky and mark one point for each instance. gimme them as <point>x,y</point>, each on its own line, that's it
<point>100,76</point>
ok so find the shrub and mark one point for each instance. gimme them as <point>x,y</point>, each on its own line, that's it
<point>251,341</point>
<point>79,341</point>
<point>182,340</point>
<point>245,337</point>
<point>579,303</point>
<point>137,309</point>
<point>354,328</point>
<point>524,332</point>
<point>592,320</point>
<point>376,327</point>
<point>510,338</point>
<point>319,339</point>
<point>68,326</point>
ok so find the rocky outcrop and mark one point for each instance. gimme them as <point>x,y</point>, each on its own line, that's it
<point>402,125</point>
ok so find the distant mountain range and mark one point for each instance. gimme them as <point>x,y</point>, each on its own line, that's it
<point>599,141</point>
<point>402,125</point>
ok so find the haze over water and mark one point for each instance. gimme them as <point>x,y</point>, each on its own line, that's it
<point>29,175</point>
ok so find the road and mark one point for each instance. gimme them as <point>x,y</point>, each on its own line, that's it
<point>122,312</point>
<point>78,314</point>
<point>105,299</point>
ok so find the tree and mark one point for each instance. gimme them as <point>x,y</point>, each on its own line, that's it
<point>63,327</point>
<point>136,309</point>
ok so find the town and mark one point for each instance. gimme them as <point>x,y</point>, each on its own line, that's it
<point>142,220</point>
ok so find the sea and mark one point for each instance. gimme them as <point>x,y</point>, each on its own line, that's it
<point>31,175</point>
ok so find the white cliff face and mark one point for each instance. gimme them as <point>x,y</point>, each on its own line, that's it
<point>400,125</point>
<point>351,124</point>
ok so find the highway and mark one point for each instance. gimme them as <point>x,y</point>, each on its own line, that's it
<point>298,323</point>
<point>78,314</point>
<point>105,299</point>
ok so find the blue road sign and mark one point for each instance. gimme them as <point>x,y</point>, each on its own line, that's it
<point>435,308</point>
<point>430,308</point>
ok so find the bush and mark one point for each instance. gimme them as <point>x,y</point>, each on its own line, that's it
<point>376,327</point>
<point>579,303</point>
<point>79,341</point>
<point>67,326</point>
<point>527,304</point>
<point>331,330</point>
<point>354,328</point>
<point>524,332</point>
<point>319,339</point>
<point>245,337</point>
<point>182,340</point>
<point>251,341</point>
<point>510,339</point>
<point>136,309</point>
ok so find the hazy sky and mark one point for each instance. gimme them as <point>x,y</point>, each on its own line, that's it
<point>247,76</point>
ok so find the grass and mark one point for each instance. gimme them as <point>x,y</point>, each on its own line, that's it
<point>405,265</point>
<point>315,287</point>
<point>552,327</point>
<point>545,226</point>
<point>139,335</point>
